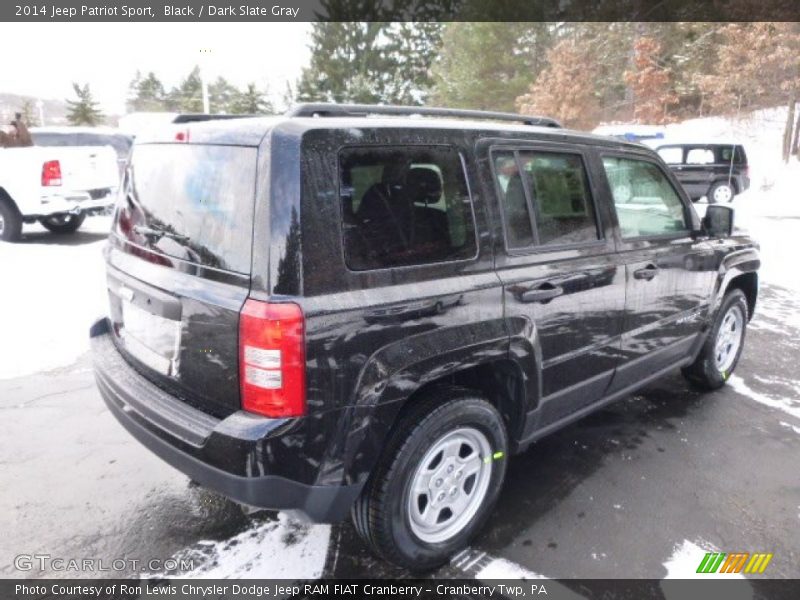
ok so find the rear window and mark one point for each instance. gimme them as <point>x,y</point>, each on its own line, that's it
<point>404,205</point>
<point>191,202</point>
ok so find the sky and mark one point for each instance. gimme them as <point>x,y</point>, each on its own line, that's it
<point>43,59</point>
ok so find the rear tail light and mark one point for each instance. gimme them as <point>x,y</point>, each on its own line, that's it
<point>272,359</point>
<point>51,173</point>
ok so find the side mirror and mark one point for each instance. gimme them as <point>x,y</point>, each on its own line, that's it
<point>718,222</point>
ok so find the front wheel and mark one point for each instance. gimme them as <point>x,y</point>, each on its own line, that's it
<point>723,347</point>
<point>63,223</point>
<point>438,479</point>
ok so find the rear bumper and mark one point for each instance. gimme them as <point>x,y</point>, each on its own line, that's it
<point>207,449</point>
<point>74,202</point>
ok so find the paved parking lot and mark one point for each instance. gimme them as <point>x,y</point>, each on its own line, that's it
<point>642,488</point>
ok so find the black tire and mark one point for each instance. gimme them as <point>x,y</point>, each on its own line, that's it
<point>10,221</point>
<point>63,223</point>
<point>381,514</point>
<point>704,372</point>
<point>718,186</point>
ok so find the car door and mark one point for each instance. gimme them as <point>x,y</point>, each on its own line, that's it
<point>562,281</point>
<point>699,170</point>
<point>670,273</point>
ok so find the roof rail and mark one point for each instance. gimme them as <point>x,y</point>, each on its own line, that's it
<point>196,117</point>
<point>354,110</point>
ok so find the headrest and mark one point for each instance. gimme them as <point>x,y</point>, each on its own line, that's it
<point>424,184</point>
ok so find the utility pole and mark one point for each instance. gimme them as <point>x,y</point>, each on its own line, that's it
<point>40,106</point>
<point>204,53</point>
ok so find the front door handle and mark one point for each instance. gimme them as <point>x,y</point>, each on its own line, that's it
<point>543,293</point>
<point>647,273</point>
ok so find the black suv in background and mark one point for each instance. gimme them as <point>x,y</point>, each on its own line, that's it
<point>716,171</point>
<point>366,310</point>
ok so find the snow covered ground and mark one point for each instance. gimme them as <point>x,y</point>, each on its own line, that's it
<point>53,288</point>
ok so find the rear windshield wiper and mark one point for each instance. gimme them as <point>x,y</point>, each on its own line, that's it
<point>159,233</point>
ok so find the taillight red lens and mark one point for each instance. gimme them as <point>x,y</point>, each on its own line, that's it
<point>51,173</point>
<point>272,359</point>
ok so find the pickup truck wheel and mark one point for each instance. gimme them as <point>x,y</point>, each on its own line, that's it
<point>63,223</point>
<point>439,477</point>
<point>721,191</point>
<point>723,347</point>
<point>10,222</point>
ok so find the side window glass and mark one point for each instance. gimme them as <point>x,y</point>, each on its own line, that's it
<point>553,186</point>
<point>700,156</point>
<point>404,206</point>
<point>645,201</point>
<point>563,210</point>
<point>671,155</point>
<point>515,204</point>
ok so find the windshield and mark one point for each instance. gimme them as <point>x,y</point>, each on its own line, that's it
<point>191,202</point>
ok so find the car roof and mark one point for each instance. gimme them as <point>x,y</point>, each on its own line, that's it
<point>252,130</point>
<point>63,129</point>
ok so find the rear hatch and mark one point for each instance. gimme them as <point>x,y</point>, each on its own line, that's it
<point>88,168</point>
<point>179,267</point>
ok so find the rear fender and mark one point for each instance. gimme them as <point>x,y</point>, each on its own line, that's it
<point>391,376</point>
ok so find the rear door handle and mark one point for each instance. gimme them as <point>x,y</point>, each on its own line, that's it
<point>543,293</point>
<point>647,273</point>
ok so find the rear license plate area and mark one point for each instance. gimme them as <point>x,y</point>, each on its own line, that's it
<point>151,338</point>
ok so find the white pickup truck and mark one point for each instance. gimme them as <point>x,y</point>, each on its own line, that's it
<point>56,185</point>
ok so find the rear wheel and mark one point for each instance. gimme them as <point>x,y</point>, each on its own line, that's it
<point>10,221</point>
<point>723,347</point>
<point>721,191</point>
<point>63,223</point>
<point>439,477</point>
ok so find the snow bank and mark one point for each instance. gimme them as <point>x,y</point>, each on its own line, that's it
<point>53,289</point>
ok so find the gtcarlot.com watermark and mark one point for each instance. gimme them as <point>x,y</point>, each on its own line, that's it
<point>48,562</point>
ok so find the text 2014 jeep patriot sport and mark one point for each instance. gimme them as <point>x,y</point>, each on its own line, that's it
<point>365,311</point>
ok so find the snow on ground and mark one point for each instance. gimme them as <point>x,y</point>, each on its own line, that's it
<point>282,549</point>
<point>53,289</point>
<point>791,406</point>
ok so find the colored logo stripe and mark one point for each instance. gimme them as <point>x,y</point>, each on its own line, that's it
<point>734,562</point>
<point>758,563</point>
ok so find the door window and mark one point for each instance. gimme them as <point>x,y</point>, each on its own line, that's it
<point>700,156</point>
<point>672,155</point>
<point>645,201</point>
<point>545,198</point>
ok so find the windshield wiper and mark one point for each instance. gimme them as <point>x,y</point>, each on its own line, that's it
<point>159,233</point>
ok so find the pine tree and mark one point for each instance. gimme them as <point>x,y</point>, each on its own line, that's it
<point>565,89</point>
<point>252,102</point>
<point>187,97</point>
<point>369,62</point>
<point>650,82</point>
<point>221,96</point>
<point>486,65</point>
<point>146,94</point>
<point>27,110</point>
<point>83,111</point>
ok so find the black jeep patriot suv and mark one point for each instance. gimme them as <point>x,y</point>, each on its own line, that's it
<point>366,310</point>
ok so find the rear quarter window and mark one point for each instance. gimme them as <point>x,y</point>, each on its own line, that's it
<point>403,206</point>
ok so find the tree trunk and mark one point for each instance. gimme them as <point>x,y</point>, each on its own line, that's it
<point>787,131</point>
<point>796,142</point>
